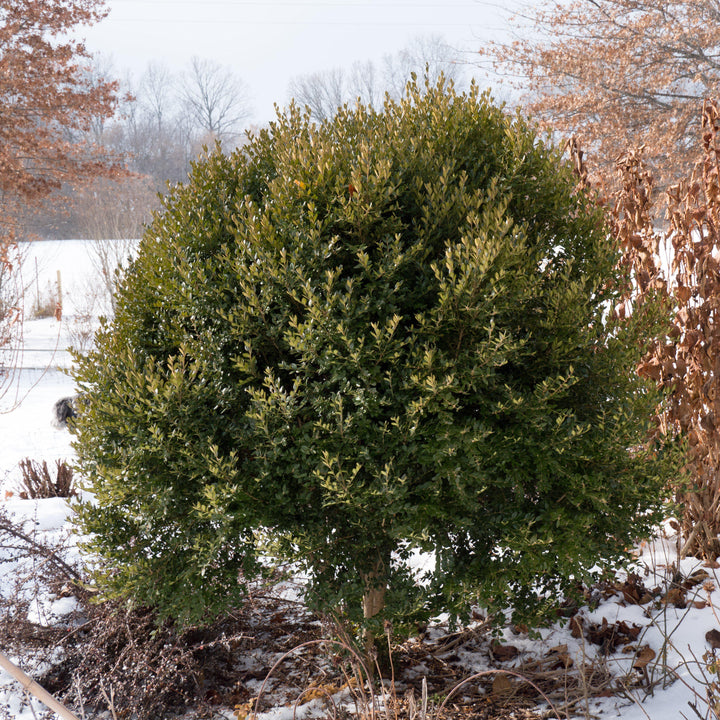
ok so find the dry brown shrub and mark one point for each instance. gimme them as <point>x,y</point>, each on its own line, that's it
<point>37,482</point>
<point>672,248</point>
<point>146,668</point>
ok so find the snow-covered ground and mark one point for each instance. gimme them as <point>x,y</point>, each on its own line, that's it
<point>37,381</point>
<point>676,635</point>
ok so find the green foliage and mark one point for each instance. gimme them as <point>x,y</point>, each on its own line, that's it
<point>379,336</point>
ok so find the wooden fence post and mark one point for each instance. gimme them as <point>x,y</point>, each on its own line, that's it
<point>32,687</point>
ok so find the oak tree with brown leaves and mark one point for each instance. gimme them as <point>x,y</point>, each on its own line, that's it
<point>619,74</point>
<point>47,103</point>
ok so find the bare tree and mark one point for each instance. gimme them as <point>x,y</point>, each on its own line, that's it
<point>366,82</point>
<point>155,97</point>
<point>428,56</point>
<point>160,126</point>
<point>216,99</point>
<point>96,74</point>
<point>618,73</point>
<point>324,92</point>
<point>158,129</point>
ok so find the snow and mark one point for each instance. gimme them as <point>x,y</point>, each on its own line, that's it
<point>26,431</point>
<point>676,635</point>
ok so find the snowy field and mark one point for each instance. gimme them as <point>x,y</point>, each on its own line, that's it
<point>673,628</point>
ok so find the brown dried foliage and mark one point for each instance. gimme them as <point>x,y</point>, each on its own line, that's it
<point>618,73</point>
<point>38,483</point>
<point>49,102</point>
<point>144,668</point>
<point>149,668</point>
<point>676,255</point>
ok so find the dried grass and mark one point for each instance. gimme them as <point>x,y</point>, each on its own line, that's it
<point>37,482</point>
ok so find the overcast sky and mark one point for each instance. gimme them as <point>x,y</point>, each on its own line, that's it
<point>267,42</point>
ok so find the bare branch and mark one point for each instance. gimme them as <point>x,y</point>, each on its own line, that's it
<point>620,73</point>
<point>217,100</point>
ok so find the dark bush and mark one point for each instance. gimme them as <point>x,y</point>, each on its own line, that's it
<point>354,341</point>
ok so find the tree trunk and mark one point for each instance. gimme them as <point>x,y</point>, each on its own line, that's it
<point>373,604</point>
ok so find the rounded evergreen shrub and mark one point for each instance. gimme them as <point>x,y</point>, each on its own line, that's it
<point>378,347</point>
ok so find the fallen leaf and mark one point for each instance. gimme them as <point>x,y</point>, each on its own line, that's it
<point>563,658</point>
<point>695,578</point>
<point>576,627</point>
<point>632,590</point>
<point>503,653</point>
<point>501,687</point>
<point>610,636</point>
<point>630,632</point>
<point>675,596</point>
<point>644,656</point>
<point>243,710</point>
<point>713,638</point>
